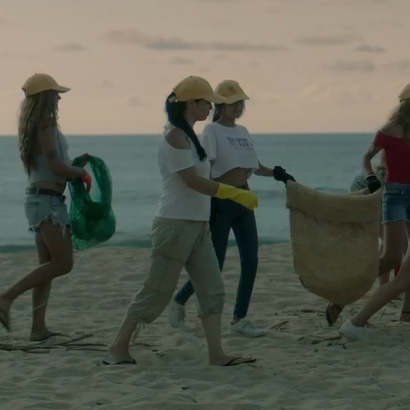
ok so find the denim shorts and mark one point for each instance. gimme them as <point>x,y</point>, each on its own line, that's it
<point>396,202</point>
<point>41,208</point>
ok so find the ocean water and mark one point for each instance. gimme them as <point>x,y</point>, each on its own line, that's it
<point>325,162</point>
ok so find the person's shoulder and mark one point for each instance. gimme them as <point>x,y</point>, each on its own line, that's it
<point>211,126</point>
<point>176,138</point>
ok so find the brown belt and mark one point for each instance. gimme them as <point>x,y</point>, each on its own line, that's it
<point>43,191</point>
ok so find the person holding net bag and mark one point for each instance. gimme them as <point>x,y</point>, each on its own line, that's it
<point>44,154</point>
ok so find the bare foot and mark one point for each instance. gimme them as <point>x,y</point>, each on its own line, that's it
<point>5,312</point>
<point>230,360</point>
<point>41,335</point>
<point>118,355</point>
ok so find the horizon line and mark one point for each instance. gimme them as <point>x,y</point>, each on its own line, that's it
<point>253,133</point>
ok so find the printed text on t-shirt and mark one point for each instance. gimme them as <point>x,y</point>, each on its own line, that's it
<point>240,143</point>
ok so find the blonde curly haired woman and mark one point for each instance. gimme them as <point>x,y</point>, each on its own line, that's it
<point>43,152</point>
<point>394,139</point>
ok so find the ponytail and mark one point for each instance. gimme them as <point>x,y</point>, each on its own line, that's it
<point>175,113</point>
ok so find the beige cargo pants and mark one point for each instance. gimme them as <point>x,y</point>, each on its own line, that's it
<point>179,244</point>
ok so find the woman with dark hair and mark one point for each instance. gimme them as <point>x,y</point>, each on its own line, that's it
<point>233,158</point>
<point>43,152</point>
<point>180,232</point>
<point>394,139</point>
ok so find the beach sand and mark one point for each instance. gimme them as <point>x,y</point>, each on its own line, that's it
<point>300,364</point>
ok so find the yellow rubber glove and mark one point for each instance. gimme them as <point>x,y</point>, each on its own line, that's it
<point>242,196</point>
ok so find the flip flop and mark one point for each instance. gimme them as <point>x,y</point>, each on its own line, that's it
<point>4,320</point>
<point>50,336</point>
<point>239,360</point>
<point>332,319</point>
<point>110,361</point>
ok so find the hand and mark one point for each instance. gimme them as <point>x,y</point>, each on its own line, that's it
<point>86,179</point>
<point>83,162</point>
<point>280,174</point>
<point>373,183</point>
<point>242,196</point>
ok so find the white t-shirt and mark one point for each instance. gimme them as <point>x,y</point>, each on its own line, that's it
<point>228,148</point>
<point>177,201</point>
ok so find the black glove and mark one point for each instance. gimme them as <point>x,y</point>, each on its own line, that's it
<point>280,174</point>
<point>373,183</point>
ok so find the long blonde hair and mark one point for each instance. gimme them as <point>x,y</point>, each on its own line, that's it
<point>399,121</point>
<point>38,110</point>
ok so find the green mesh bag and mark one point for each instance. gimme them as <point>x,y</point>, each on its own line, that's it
<point>91,216</point>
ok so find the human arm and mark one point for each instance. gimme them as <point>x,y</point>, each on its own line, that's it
<point>377,145</point>
<point>180,161</point>
<point>48,148</point>
<point>264,171</point>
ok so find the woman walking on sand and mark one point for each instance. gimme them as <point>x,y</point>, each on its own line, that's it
<point>359,183</point>
<point>231,151</point>
<point>394,139</point>
<point>43,151</point>
<point>180,233</point>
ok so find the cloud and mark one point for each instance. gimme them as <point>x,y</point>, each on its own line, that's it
<point>182,61</point>
<point>363,66</point>
<point>370,49</point>
<point>134,37</point>
<point>337,92</point>
<point>325,41</point>
<point>70,47</point>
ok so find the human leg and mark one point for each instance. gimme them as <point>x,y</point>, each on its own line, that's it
<point>396,213</point>
<point>58,243</point>
<point>385,277</point>
<point>202,267</point>
<point>172,243</point>
<point>41,294</point>
<point>47,217</point>
<point>246,235</point>
<point>394,217</point>
<point>220,226</point>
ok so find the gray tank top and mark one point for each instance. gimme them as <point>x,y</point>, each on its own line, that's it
<point>42,173</point>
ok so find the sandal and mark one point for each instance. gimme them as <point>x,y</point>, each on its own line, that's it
<point>333,312</point>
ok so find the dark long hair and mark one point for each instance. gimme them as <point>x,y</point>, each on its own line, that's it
<point>217,112</point>
<point>175,113</point>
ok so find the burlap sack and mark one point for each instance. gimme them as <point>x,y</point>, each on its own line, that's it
<point>334,241</point>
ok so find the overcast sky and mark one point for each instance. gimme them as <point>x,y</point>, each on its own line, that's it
<point>307,65</point>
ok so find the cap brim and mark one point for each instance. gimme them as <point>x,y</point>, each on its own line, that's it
<point>236,98</point>
<point>61,89</point>
<point>216,99</point>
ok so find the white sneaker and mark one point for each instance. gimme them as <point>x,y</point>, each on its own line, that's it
<point>176,314</point>
<point>353,333</point>
<point>246,328</point>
